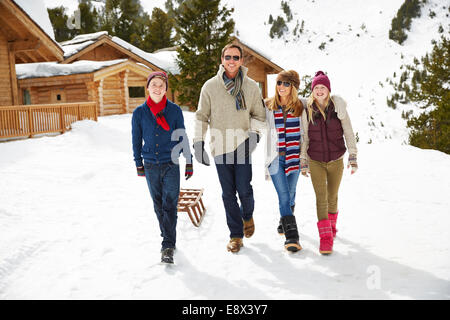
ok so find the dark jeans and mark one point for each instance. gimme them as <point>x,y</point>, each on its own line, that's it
<point>236,178</point>
<point>163,181</point>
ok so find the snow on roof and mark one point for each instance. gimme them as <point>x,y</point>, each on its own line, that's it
<point>150,57</point>
<point>84,37</point>
<point>37,11</point>
<point>255,48</point>
<point>71,49</point>
<point>52,69</point>
<point>82,41</point>
<point>170,56</point>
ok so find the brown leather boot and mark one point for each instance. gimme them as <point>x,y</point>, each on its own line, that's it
<point>249,228</point>
<point>235,245</point>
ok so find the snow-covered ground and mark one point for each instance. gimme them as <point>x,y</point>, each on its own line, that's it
<point>76,222</point>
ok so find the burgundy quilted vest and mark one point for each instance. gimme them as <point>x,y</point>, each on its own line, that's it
<point>326,138</point>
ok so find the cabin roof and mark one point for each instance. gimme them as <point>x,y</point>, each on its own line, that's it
<point>28,30</point>
<point>80,45</point>
<point>100,69</point>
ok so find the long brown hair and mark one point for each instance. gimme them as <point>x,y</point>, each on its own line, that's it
<point>294,105</point>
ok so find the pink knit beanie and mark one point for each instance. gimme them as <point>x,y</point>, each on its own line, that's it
<point>321,78</point>
<point>158,74</point>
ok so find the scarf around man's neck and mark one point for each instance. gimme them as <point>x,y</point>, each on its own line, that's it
<point>157,111</point>
<point>234,87</point>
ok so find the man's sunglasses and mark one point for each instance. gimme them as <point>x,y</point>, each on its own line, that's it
<point>235,58</point>
<point>284,83</point>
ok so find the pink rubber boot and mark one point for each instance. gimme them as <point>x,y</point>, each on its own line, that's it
<point>333,220</point>
<point>326,236</point>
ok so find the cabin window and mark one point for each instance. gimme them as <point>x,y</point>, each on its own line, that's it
<point>26,97</point>
<point>136,92</point>
<point>58,95</point>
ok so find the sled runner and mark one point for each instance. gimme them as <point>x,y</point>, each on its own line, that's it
<point>190,201</point>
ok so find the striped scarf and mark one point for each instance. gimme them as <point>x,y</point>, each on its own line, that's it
<point>233,87</point>
<point>288,139</point>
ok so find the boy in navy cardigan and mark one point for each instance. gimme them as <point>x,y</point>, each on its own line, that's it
<point>159,123</point>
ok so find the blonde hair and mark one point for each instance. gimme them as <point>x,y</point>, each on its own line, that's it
<point>293,106</point>
<point>310,103</point>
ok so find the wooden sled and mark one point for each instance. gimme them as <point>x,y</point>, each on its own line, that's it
<point>190,201</point>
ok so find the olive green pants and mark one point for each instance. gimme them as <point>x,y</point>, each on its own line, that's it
<point>326,178</point>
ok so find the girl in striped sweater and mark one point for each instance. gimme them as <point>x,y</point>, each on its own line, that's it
<point>283,151</point>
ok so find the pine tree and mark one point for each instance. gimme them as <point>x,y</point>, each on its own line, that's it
<point>125,19</point>
<point>89,17</point>
<point>279,28</point>
<point>205,28</point>
<point>431,90</point>
<point>159,32</point>
<point>58,18</point>
<point>287,10</point>
<point>128,22</point>
<point>173,9</point>
<point>408,10</point>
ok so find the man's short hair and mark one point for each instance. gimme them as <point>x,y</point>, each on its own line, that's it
<point>232,45</point>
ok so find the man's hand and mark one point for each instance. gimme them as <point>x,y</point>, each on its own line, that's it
<point>200,153</point>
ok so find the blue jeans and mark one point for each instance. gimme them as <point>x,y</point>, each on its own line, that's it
<point>163,181</point>
<point>234,178</point>
<point>285,185</point>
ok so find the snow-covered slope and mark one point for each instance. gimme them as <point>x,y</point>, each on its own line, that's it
<point>356,51</point>
<point>76,222</point>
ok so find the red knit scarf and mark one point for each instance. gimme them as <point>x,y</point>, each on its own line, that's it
<point>156,109</point>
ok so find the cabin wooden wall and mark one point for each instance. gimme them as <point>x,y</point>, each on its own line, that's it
<point>67,93</point>
<point>112,92</point>
<point>102,53</point>
<point>256,71</point>
<point>5,73</point>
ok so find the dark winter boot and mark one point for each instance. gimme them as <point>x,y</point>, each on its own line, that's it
<point>167,255</point>
<point>291,232</point>
<point>280,226</point>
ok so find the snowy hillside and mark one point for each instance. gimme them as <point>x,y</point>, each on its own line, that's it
<point>76,222</point>
<point>357,53</point>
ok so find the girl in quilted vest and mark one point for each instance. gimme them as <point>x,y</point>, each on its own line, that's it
<point>326,124</point>
<point>283,151</point>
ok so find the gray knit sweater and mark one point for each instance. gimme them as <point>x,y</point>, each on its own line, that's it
<point>217,109</point>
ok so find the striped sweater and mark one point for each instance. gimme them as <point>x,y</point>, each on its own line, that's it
<point>288,139</point>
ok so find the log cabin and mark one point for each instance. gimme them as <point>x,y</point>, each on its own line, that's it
<point>117,86</point>
<point>96,67</point>
<point>22,40</point>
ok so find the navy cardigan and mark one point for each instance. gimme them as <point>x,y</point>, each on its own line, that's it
<point>160,146</point>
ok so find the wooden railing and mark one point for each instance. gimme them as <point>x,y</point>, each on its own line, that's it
<point>29,120</point>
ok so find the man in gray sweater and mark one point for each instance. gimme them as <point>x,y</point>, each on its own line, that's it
<point>231,105</point>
